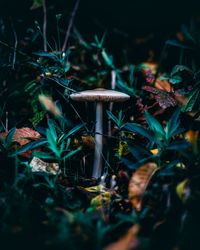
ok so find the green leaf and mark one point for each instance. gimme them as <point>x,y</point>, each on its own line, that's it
<point>125,88</point>
<point>134,166</point>
<point>179,68</point>
<point>52,128</point>
<point>173,124</point>
<point>138,152</point>
<point>71,132</point>
<point>63,82</point>
<point>43,155</point>
<point>177,44</point>
<point>155,126</point>
<point>108,59</point>
<point>52,143</point>
<point>30,146</point>
<point>188,34</point>
<point>71,153</point>
<point>9,137</point>
<point>137,128</point>
<point>178,145</point>
<point>192,99</point>
<point>47,55</point>
<point>175,79</point>
<point>118,121</point>
<point>36,4</point>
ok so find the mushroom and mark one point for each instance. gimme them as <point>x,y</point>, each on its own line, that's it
<point>99,96</point>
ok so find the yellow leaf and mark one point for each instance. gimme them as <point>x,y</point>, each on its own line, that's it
<point>181,190</point>
<point>154,151</point>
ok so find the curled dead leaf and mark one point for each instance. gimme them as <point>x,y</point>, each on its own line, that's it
<point>37,165</point>
<point>139,182</point>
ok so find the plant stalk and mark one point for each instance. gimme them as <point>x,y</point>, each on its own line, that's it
<point>70,26</point>
<point>44,24</point>
<point>97,166</point>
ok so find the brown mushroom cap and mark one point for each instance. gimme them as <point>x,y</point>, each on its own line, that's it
<point>99,95</point>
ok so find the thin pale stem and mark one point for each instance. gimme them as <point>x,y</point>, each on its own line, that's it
<point>44,24</point>
<point>70,25</point>
<point>15,46</point>
<point>97,167</point>
<point>113,85</point>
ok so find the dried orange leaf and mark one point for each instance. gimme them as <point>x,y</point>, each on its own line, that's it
<point>192,137</point>
<point>23,135</point>
<point>88,141</point>
<point>139,182</point>
<point>163,85</point>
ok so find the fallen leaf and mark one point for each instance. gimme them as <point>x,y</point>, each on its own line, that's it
<point>192,137</point>
<point>23,135</point>
<point>139,182</point>
<point>127,242</point>
<point>37,165</point>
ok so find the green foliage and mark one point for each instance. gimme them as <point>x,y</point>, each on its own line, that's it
<point>162,138</point>
<point>6,144</point>
<point>36,4</point>
<point>59,207</point>
<point>119,121</point>
<point>193,100</point>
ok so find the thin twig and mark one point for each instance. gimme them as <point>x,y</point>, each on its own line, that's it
<point>44,24</point>
<point>15,46</point>
<point>70,25</point>
<point>18,51</point>
<point>6,121</point>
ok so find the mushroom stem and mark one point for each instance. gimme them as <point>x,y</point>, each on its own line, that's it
<point>97,167</point>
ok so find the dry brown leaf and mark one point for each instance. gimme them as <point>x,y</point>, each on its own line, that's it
<point>127,242</point>
<point>163,85</point>
<point>37,165</point>
<point>181,99</point>
<point>139,182</point>
<point>192,137</point>
<point>23,136</point>
<point>88,141</point>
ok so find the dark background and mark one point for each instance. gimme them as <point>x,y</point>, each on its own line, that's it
<point>125,21</point>
<point>128,15</point>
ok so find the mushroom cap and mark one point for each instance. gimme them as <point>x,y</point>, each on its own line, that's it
<point>99,95</point>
